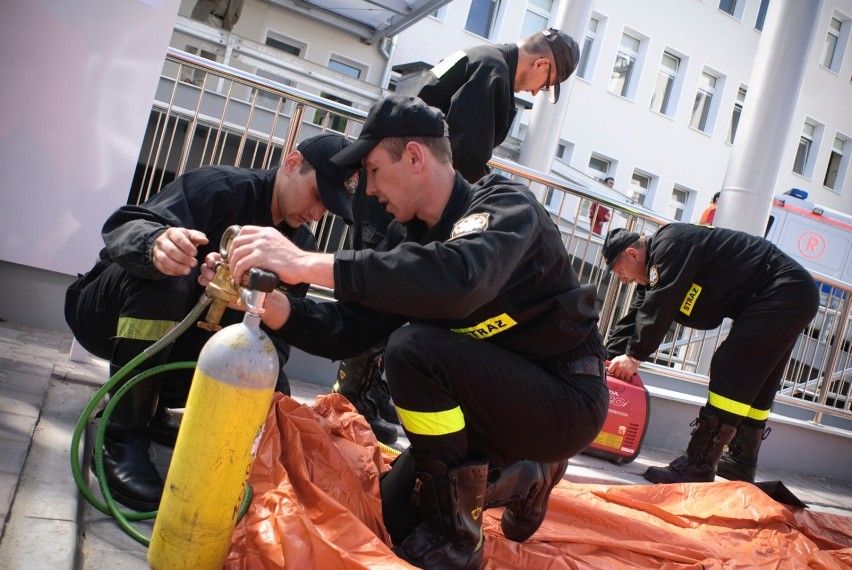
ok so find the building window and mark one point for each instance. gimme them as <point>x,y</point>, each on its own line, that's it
<point>482,17</point>
<point>536,17</point>
<point>735,116</point>
<point>332,121</point>
<point>625,63</point>
<point>835,164</point>
<point>661,99</point>
<point>269,100</point>
<point>728,6</point>
<point>564,150</point>
<point>599,166</point>
<point>703,101</point>
<point>588,46</point>
<point>803,153</point>
<point>678,203</point>
<point>345,68</point>
<point>832,40</point>
<point>284,44</point>
<point>440,13</point>
<point>640,184</point>
<point>761,15</point>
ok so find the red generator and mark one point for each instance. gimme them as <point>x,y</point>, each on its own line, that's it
<point>620,439</point>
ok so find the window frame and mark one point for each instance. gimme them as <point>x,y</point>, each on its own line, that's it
<point>492,23</point>
<point>670,98</point>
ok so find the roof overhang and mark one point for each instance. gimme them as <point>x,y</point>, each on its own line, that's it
<point>369,20</point>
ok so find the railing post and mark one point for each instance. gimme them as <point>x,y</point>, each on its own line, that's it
<point>828,372</point>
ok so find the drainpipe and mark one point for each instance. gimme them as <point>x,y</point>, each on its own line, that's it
<point>776,79</point>
<point>542,138</point>
<point>386,47</point>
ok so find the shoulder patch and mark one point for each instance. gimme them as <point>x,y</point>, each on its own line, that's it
<point>654,275</point>
<point>445,64</point>
<point>472,224</point>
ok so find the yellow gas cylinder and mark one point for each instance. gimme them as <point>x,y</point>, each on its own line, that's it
<point>227,404</point>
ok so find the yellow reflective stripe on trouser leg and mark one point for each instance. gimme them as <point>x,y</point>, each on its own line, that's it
<point>142,329</point>
<point>432,423</point>
<point>759,415</point>
<point>728,405</point>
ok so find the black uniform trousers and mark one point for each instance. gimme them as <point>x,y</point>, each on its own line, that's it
<point>746,369</point>
<point>116,315</point>
<point>510,408</point>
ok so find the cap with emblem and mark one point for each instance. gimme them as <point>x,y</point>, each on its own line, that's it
<point>617,241</point>
<point>393,116</point>
<point>566,55</point>
<point>331,177</point>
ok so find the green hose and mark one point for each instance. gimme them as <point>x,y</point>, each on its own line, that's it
<point>109,505</point>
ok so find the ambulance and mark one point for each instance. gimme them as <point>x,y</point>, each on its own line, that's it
<point>818,238</point>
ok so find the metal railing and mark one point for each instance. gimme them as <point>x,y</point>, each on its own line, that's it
<point>227,119</point>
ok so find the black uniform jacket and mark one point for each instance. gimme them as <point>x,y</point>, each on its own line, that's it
<point>475,89</point>
<point>494,267</point>
<point>208,199</point>
<point>699,275</point>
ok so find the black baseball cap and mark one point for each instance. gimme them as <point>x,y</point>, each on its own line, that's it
<point>617,241</point>
<point>566,54</point>
<point>393,116</point>
<point>331,178</point>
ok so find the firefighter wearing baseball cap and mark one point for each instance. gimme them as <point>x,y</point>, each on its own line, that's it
<point>498,376</point>
<point>696,276</point>
<point>145,283</point>
<point>475,88</point>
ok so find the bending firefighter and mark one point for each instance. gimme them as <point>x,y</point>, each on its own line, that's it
<point>696,276</point>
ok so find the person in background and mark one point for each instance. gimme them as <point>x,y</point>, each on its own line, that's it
<point>475,88</point>
<point>709,213</point>
<point>222,14</point>
<point>496,369</point>
<point>696,276</point>
<point>145,283</point>
<point>599,214</point>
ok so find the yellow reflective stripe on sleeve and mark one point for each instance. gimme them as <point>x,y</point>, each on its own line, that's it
<point>142,329</point>
<point>445,64</point>
<point>728,405</point>
<point>432,423</point>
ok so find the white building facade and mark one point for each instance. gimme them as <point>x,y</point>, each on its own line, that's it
<point>660,90</point>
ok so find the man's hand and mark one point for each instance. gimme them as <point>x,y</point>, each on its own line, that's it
<point>623,367</point>
<point>175,250</point>
<point>267,249</point>
<point>208,271</point>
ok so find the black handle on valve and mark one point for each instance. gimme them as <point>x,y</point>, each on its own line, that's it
<point>262,280</point>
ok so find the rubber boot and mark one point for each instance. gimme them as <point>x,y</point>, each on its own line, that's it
<point>451,503</point>
<point>524,489</point>
<point>354,378</point>
<point>130,475</point>
<point>709,439</point>
<point>739,461</point>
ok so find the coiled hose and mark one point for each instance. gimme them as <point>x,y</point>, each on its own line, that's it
<point>109,505</point>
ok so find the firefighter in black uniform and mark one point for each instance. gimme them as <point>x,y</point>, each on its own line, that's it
<point>475,88</point>
<point>697,275</point>
<point>501,343</point>
<point>145,283</point>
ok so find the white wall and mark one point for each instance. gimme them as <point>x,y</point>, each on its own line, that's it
<point>79,81</point>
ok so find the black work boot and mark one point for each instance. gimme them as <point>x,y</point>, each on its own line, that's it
<point>380,394</point>
<point>451,503</point>
<point>354,378</point>
<point>709,439</point>
<point>524,489</point>
<point>130,475</point>
<point>739,461</point>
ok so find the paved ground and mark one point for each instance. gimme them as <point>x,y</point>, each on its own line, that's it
<point>46,523</point>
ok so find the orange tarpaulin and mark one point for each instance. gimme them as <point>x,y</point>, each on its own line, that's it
<point>316,505</point>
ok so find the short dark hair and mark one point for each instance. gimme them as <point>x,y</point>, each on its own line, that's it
<point>715,197</point>
<point>608,178</point>
<point>438,146</point>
